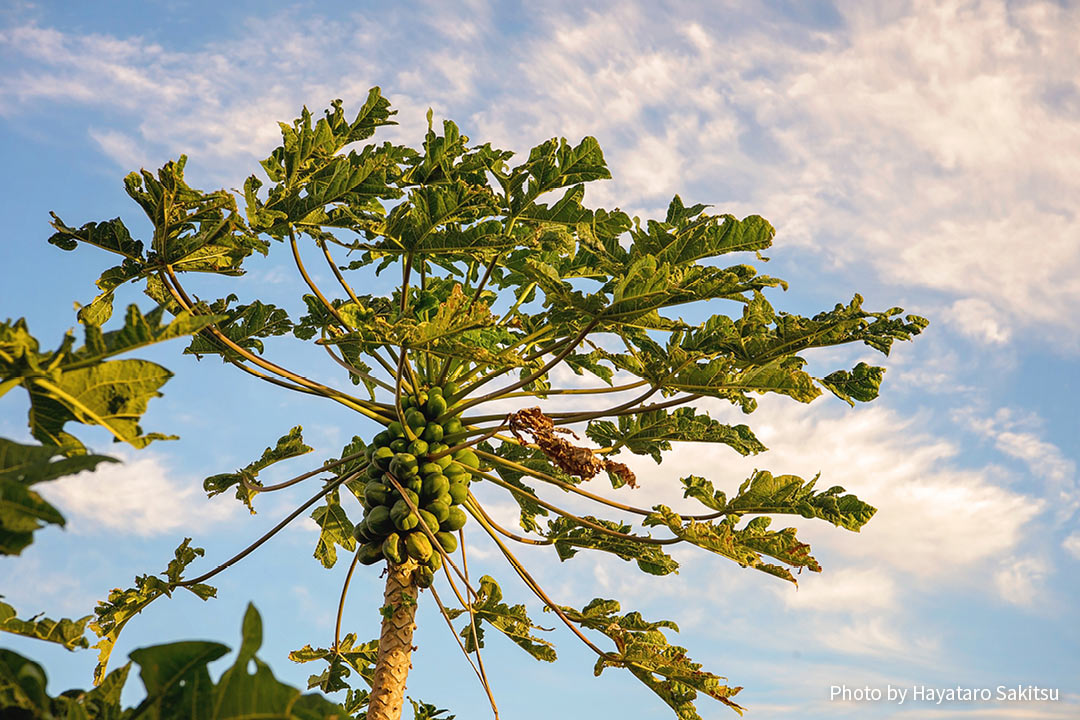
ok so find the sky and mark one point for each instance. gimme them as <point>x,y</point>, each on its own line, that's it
<point>922,154</point>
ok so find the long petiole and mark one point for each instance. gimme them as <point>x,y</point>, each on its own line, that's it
<point>570,516</point>
<point>481,676</point>
<point>506,533</point>
<point>311,283</point>
<point>341,602</point>
<point>299,478</point>
<point>270,533</point>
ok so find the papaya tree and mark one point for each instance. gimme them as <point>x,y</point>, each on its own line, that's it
<point>501,280</point>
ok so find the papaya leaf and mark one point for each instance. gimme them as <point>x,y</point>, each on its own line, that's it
<point>22,511</point>
<point>745,545</point>
<point>347,658</point>
<point>688,235</point>
<point>241,695</point>
<point>860,384</point>
<point>112,394</point>
<point>22,685</point>
<point>111,615</point>
<point>651,433</point>
<point>288,446</point>
<point>427,711</point>
<point>111,235</point>
<point>643,649</point>
<point>512,621</point>
<point>335,529</point>
<point>763,492</point>
<point>139,331</point>
<point>176,678</point>
<point>245,325</point>
<point>69,633</point>
<point>569,536</point>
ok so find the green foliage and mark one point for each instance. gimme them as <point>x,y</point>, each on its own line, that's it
<point>287,447</point>
<point>502,284</point>
<point>110,616</point>
<point>69,633</point>
<point>178,685</point>
<point>642,648</point>
<point>22,510</point>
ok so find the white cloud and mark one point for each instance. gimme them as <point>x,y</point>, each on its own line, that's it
<point>139,497</point>
<point>844,589</point>
<point>1072,545</point>
<point>978,319</point>
<point>1020,581</point>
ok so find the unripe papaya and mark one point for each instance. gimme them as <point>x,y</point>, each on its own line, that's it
<point>382,457</point>
<point>370,553</point>
<point>434,407</point>
<point>430,468</point>
<point>415,419</point>
<point>395,429</point>
<point>419,448</point>
<point>423,577</point>
<point>452,427</point>
<point>413,496</point>
<point>429,519</point>
<point>434,485</point>
<point>448,541</point>
<point>374,472</point>
<point>392,548</point>
<point>433,432</point>
<point>378,520</point>
<point>421,400</point>
<point>455,520</point>
<point>399,444</point>
<point>434,390</point>
<point>376,493</point>
<point>403,465</point>
<point>450,390</point>
<point>418,546</point>
<point>415,483</point>
<point>434,562</point>
<point>458,493</point>
<point>360,532</point>
<point>439,509</point>
<point>382,439</point>
<point>403,517</point>
<point>468,458</point>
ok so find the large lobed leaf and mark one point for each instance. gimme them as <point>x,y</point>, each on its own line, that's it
<point>651,433</point>
<point>288,446</point>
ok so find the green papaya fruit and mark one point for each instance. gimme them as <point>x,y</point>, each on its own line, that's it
<point>403,517</point>
<point>468,458</point>
<point>376,493</point>
<point>360,531</point>
<point>382,439</point>
<point>450,390</point>
<point>374,472</point>
<point>452,427</point>
<point>393,549</point>
<point>448,541</point>
<point>418,447</point>
<point>399,444</point>
<point>458,493</point>
<point>382,457</point>
<point>430,520</point>
<point>434,485</point>
<point>433,432</point>
<point>415,419</point>
<point>404,466</point>
<point>370,553</point>
<point>434,390</point>
<point>430,468</point>
<point>434,562</point>
<point>413,496</point>
<point>423,577</point>
<point>418,546</point>
<point>455,520</point>
<point>435,406</point>
<point>378,520</point>
<point>395,429</point>
<point>415,483</point>
<point>421,399</point>
<point>440,509</point>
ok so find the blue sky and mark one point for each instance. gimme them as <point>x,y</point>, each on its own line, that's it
<point>924,154</point>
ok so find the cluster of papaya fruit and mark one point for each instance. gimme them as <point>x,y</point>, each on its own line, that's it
<point>414,456</point>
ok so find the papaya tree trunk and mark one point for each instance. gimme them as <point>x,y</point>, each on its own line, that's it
<point>395,643</point>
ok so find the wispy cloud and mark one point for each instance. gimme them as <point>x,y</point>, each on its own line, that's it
<point>140,497</point>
